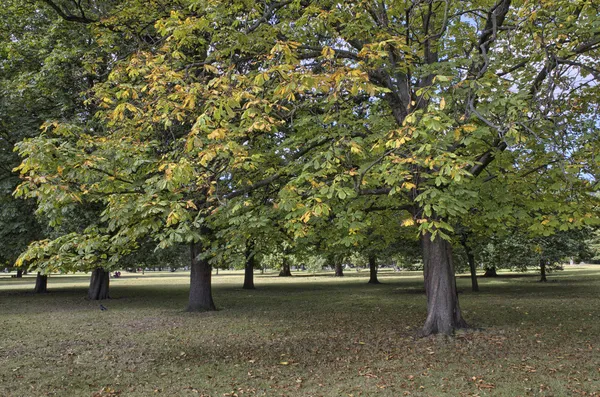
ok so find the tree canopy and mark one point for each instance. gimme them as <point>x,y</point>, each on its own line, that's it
<point>439,112</point>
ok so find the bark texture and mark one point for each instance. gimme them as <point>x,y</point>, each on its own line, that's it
<point>41,284</point>
<point>99,284</point>
<point>285,269</point>
<point>200,282</point>
<point>443,310</point>
<point>249,267</point>
<point>473,268</point>
<point>339,270</point>
<point>373,270</point>
<point>543,271</point>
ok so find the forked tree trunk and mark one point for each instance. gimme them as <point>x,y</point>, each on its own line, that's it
<point>339,270</point>
<point>19,273</point>
<point>99,284</point>
<point>285,269</point>
<point>443,310</point>
<point>249,267</point>
<point>373,270</point>
<point>41,284</point>
<point>200,282</point>
<point>490,272</point>
<point>543,271</point>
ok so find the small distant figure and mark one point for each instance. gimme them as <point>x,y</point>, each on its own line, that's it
<point>117,275</point>
<point>103,308</point>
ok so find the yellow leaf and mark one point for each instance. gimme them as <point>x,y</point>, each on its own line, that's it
<point>408,222</point>
<point>219,133</point>
<point>457,134</point>
<point>442,104</point>
<point>328,52</point>
<point>306,217</point>
<point>469,128</point>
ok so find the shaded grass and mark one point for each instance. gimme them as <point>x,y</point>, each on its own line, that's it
<point>302,336</point>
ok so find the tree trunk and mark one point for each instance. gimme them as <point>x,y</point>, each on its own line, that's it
<point>249,267</point>
<point>19,273</point>
<point>285,269</point>
<point>339,270</point>
<point>443,310</point>
<point>373,270</point>
<point>99,284</point>
<point>473,268</point>
<point>471,260</point>
<point>200,282</point>
<point>543,271</point>
<point>41,284</point>
<point>490,272</point>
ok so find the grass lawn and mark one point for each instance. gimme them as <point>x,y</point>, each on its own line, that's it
<point>310,335</point>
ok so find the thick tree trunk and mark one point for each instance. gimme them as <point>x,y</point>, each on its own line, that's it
<point>99,284</point>
<point>339,270</point>
<point>285,269</point>
<point>200,282</point>
<point>490,272</point>
<point>19,273</point>
<point>249,267</point>
<point>543,271</point>
<point>41,284</point>
<point>373,270</point>
<point>443,310</point>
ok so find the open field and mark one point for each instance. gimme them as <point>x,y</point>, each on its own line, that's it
<point>310,335</point>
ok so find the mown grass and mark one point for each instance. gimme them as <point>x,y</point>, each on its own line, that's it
<point>304,336</point>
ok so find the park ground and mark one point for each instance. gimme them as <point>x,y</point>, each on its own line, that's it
<point>309,335</point>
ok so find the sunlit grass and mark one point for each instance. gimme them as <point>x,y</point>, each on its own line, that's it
<point>309,335</point>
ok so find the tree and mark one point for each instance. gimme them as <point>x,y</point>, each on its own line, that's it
<point>326,102</point>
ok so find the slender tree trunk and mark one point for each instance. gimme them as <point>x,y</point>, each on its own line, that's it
<point>443,310</point>
<point>490,272</point>
<point>473,268</point>
<point>471,260</point>
<point>373,270</point>
<point>339,270</point>
<point>543,271</point>
<point>19,273</point>
<point>249,267</point>
<point>41,284</point>
<point>200,282</point>
<point>99,284</point>
<point>285,268</point>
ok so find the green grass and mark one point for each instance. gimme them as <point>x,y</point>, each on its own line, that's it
<point>304,336</point>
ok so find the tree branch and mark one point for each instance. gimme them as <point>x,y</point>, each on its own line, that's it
<point>67,16</point>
